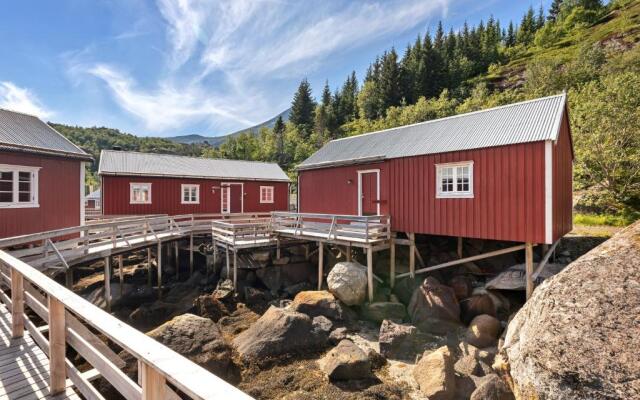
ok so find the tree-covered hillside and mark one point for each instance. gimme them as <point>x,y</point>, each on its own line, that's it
<point>93,140</point>
<point>584,47</point>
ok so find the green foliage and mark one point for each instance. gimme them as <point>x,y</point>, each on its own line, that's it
<point>602,219</point>
<point>302,109</point>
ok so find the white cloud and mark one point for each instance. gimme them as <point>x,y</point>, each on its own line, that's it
<point>15,98</point>
<point>225,56</point>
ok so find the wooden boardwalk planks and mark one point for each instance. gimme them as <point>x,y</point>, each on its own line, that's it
<point>24,367</point>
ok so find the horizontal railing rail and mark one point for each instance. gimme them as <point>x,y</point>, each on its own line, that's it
<point>59,307</point>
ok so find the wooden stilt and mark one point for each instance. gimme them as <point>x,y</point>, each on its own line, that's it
<point>392,263</point>
<point>235,270</point>
<point>57,329</point>
<point>277,248</point>
<point>176,251</point>
<point>320,265</point>
<point>306,252</point>
<point>68,278</point>
<point>17,304</point>
<point>191,254</point>
<point>149,266</point>
<point>228,263</point>
<point>459,246</point>
<point>121,273</point>
<point>412,255</point>
<point>349,253</point>
<point>107,282</point>
<point>370,273</point>
<point>528,251</point>
<point>159,267</point>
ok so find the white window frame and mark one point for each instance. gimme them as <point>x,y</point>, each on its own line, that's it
<point>269,189</point>
<point>134,185</point>
<point>189,186</point>
<point>368,171</point>
<point>455,194</point>
<point>15,169</point>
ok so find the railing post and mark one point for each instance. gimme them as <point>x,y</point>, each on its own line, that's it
<point>153,383</point>
<point>57,369</point>
<point>17,304</point>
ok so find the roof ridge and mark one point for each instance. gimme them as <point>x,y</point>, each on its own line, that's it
<point>182,156</point>
<point>19,112</point>
<point>563,94</point>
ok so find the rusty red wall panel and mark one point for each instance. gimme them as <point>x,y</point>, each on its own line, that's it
<point>562,182</point>
<point>508,201</point>
<point>58,196</point>
<point>166,196</point>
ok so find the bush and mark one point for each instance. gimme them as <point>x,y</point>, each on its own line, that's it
<point>602,219</point>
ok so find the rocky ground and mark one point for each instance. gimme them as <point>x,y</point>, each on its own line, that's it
<point>435,336</point>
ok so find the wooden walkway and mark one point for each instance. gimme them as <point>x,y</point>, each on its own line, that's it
<point>24,367</point>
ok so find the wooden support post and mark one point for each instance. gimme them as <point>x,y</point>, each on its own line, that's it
<point>191,254</point>
<point>121,274</point>
<point>68,278</point>
<point>235,270</point>
<point>107,282</point>
<point>306,252</point>
<point>320,265</point>
<point>412,255</point>
<point>528,251</point>
<point>277,248</point>
<point>17,304</point>
<point>149,266</point>
<point>153,383</point>
<point>370,273</point>
<point>159,267</point>
<point>228,263</point>
<point>392,263</point>
<point>176,250</point>
<point>57,368</point>
<point>459,246</point>
<point>349,253</point>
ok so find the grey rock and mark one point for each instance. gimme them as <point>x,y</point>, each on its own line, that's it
<point>346,361</point>
<point>348,282</point>
<point>434,308</point>
<point>398,341</point>
<point>492,387</point>
<point>317,302</point>
<point>380,311</point>
<point>337,335</point>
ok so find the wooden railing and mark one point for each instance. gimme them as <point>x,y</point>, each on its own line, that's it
<point>161,371</point>
<point>364,229</point>
<point>243,232</point>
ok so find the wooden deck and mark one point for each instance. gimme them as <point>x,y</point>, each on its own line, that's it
<point>24,367</point>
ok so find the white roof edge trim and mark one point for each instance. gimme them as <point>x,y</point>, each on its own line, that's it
<point>110,173</point>
<point>180,156</point>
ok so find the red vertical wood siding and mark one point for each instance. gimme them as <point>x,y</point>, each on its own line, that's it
<point>166,196</point>
<point>562,182</point>
<point>58,196</point>
<point>508,202</point>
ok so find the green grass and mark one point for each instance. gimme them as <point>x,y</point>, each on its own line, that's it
<point>602,219</point>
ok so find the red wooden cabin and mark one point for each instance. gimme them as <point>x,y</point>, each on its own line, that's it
<point>145,183</point>
<point>504,174</point>
<point>41,177</point>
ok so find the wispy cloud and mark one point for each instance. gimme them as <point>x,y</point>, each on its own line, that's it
<point>13,97</point>
<point>223,56</point>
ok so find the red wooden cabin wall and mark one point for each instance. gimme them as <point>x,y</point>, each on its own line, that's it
<point>562,182</point>
<point>58,195</point>
<point>166,195</point>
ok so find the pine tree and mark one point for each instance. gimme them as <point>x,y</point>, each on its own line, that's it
<point>510,39</point>
<point>540,18</point>
<point>527,27</point>
<point>554,10</point>
<point>302,109</point>
<point>389,82</point>
<point>326,95</point>
<point>278,133</point>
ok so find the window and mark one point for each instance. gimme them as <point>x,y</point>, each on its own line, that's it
<point>18,186</point>
<point>190,194</point>
<point>266,194</point>
<point>454,180</point>
<point>140,193</point>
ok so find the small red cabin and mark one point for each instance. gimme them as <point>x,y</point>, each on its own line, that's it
<point>41,177</point>
<point>145,183</point>
<point>504,174</point>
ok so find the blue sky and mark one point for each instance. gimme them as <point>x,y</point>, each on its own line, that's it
<point>173,67</point>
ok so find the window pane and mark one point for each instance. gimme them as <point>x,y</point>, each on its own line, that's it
<point>6,197</point>
<point>6,186</point>
<point>24,197</point>
<point>24,176</point>
<point>24,186</point>
<point>6,176</point>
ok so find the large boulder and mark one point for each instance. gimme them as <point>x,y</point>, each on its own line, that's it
<point>434,307</point>
<point>483,331</point>
<point>435,375</point>
<point>346,361</point>
<point>317,302</point>
<point>492,387</point>
<point>579,334</point>
<point>209,306</point>
<point>199,339</point>
<point>397,341</point>
<point>379,311</point>
<point>280,332</point>
<point>475,305</point>
<point>348,282</point>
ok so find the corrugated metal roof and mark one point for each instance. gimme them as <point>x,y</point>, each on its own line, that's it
<point>95,195</point>
<point>24,132</point>
<point>150,164</point>
<point>529,121</point>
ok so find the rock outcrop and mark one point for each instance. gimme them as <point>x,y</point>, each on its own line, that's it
<point>348,282</point>
<point>281,332</point>
<point>579,334</point>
